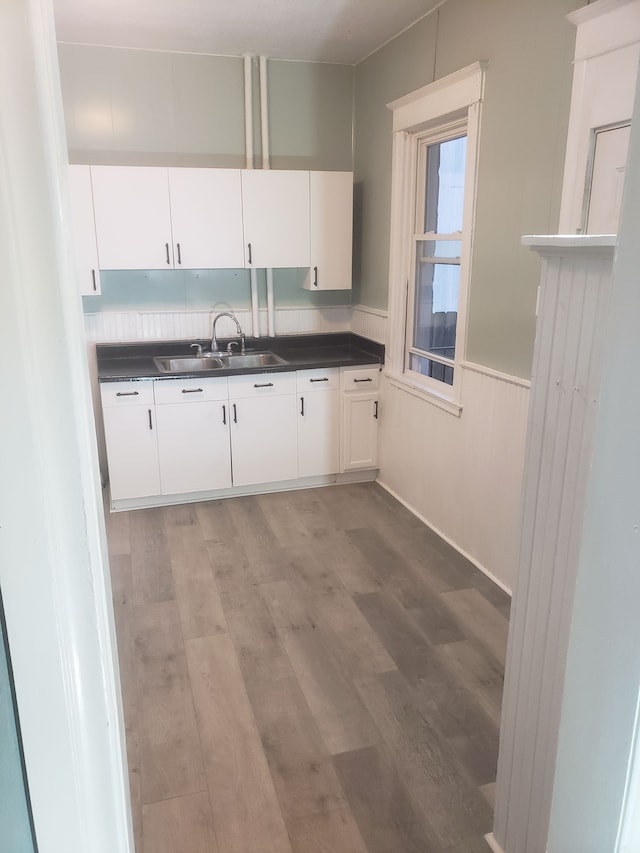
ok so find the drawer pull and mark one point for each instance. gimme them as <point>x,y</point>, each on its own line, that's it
<point>150,421</point>
<point>127,393</point>
<point>224,415</point>
<point>166,246</point>
<point>324,379</point>
<point>249,245</point>
<point>235,414</point>
<point>302,406</point>
<point>369,379</point>
<point>192,390</point>
<point>263,384</point>
<point>179,254</point>
<point>315,276</point>
<point>93,279</point>
<point>375,411</point>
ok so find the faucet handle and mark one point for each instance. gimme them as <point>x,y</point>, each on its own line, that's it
<point>198,350</point>
<point>230,346</point>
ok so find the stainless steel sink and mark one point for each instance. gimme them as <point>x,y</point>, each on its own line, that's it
<point>191,364</point>
<point>251,359</point>
<point>186,364</point>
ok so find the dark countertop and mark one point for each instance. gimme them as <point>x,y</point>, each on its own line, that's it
<point>134,361</point>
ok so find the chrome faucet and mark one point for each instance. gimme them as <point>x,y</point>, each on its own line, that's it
<point>214,341</point>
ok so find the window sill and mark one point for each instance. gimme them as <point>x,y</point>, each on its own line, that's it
<point>440,401</point>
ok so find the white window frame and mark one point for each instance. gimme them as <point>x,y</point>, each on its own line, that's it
<point>455,100</point>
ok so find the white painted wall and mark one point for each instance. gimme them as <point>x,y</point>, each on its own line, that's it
<point>463,476</point>
<point>604,84</point>
<point>53,570</point>
<point>596,744</point>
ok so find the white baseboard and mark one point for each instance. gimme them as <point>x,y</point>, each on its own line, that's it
<point>446,538</point>
<point>493,844</point>
<point>365,476</point>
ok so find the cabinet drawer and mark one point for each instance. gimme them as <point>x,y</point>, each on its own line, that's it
<point>318,379</point>
<point>261,385</point>
<point>360,378</point>
<point>190,390</point>
<point>139,393</point>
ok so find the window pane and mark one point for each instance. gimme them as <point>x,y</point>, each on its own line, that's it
<point>427,367</point>
<point>444,191</point>
<point>436,307</point>
<point>439,249</point>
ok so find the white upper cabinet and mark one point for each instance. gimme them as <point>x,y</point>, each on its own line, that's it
<point>276,218</point>
<point>206,218</point>
<point>133,218</point>
<point>331,230</point>
<point>84,231</point>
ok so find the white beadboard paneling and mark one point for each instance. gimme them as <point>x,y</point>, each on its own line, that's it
<point>114,326</point>
<point>370,323</point>
<point>575,293</point>
<point>463,476</point>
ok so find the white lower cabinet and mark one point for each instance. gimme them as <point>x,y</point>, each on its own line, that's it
<point>194,448</point>
<point>264,442</point>
<point>360,412</point>
<point>131,439</point>
<point>183,436</point>
<point>318,422</point>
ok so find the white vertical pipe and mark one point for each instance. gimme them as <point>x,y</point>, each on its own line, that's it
<point>248,130</point>
<point>264,114</point>
<point>266,164</point>
<point>248,111</point>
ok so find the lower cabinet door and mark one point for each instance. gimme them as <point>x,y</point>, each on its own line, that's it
<point>359,431</point>
<point>132,451</point>
<point>193,447</point>
<point>318,433</point>
<point>264,439</point>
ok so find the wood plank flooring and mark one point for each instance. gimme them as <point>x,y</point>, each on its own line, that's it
<point>305,672</point>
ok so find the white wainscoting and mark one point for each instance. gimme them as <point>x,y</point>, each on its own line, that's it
<point>116,326</point>
<point>462,476</point>
<point>371,323</point>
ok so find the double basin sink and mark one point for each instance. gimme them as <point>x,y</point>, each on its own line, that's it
<point>191,364</point>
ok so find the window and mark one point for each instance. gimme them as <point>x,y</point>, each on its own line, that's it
<point>435,152</point>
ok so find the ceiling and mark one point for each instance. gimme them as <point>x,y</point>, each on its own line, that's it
<point>321,30</point>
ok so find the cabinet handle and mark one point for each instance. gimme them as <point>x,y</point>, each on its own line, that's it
<point>302,406</point>
<point>127,393</point>
<point>166,245</point>
<point>224,414</point>
<point>364,380</point>
<point>192,390</point>
<point>324,379</point>
<point>150,421</point>
<point>315,276</point>
<point>93,279</point>
<point>249,245</point>
<point>179,253</point>
<point>263,384</point>
<point>235,414</point>
<point>375,411</point>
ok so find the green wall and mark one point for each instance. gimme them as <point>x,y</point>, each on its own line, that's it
<point>529,45</point>
<point>132,107</point>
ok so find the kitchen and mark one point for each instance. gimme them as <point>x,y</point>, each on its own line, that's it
<point>475,508</point>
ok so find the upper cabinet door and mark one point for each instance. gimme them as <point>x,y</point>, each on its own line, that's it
<point>331,212</point>
<point>206,218</point>
<point>84,231</point>
<point>133,219</point>
<point>276,218</point>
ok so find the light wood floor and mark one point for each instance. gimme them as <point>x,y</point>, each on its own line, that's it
<point>306,672</point>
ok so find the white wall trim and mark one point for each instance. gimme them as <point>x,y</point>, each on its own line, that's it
<point>496,374</point>
<point>493,844</point>
<point>443,536</point>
